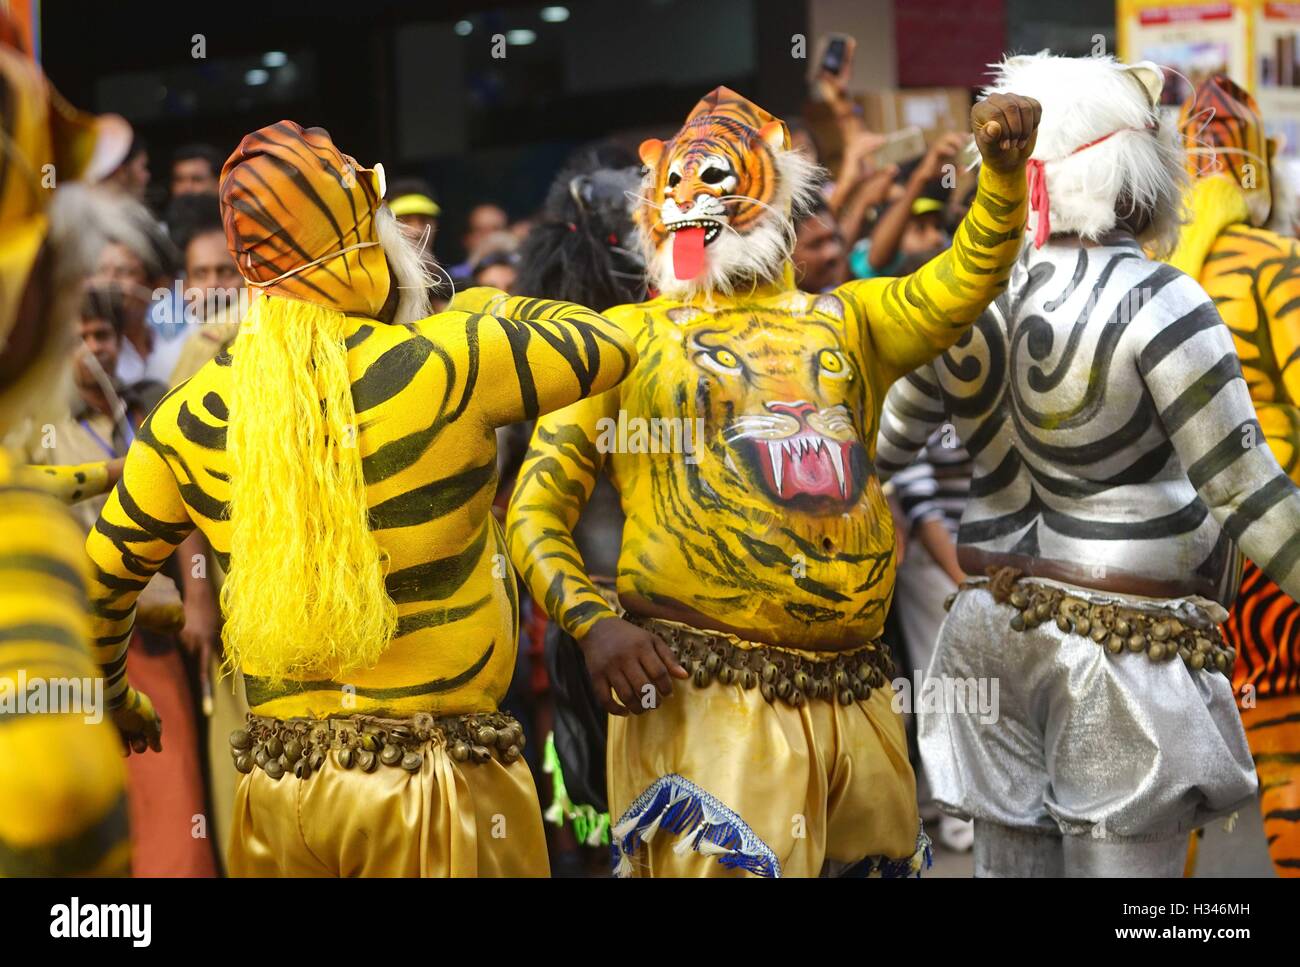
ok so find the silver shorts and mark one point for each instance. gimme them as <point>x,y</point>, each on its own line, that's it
<point>1080,740</point>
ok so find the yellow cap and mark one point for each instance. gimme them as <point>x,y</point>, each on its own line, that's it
<point>415,205</point>
<point>923,206</point>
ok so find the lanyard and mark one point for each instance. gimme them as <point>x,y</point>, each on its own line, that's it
<point>128,433</point>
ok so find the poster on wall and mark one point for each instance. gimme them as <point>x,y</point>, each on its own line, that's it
<point>1190,40</point>
<point>1277,75</point>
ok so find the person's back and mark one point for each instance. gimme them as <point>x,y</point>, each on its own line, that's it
<point>341,460</point>
<point>1079,390</point>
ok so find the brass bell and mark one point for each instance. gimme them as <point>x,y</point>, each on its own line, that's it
<point>1203,645</point>
<point>1122,628</point>
<point>460,751</point>
<point>1018,622</point>
<point>274,748</point>
<point>748,679</point>
<point>768,692</point>
<point>1115,644</point>
<point>841,679</point>
<point>1042,611</point>
<point>1184,652</point>
<point>846,697</point>
<point>1198,660</point>
<point>1063,622</point>
<point>770,672</point>
<point>1019,600</point>
<point>1136,643</point>
<point>1082,626</point>
<point>261,757</point>
<point>244,763</point>
<point>506,737</point>
<point>241,740</point>
<point>346,757</point>
<point>1160,631</point>
<point>486,735</point>
<point>726,675</point>
<point>367,761</point>
<point>302,769</point>
<point>1099,634</point>
<point>701,677</point>
<point>1156,652</point>
<point>401,732</point>
<point>783,688</point>
<point>480,754</point>
<point>796,698</point>
<point>712,661</point>
<point>1221,661</point>
<point>391,755</point>
<point>317,760</point>
<point>293,750</point>
<point>369,742</point>
<point>511,754</point>
<point>412,761</point>
<point>274,769</point>
<point>801,681</point>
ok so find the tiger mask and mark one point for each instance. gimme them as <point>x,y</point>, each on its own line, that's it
<point>716,200</point>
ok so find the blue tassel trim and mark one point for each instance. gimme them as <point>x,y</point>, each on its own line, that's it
<point>922,858</point>
<point>674,805</point>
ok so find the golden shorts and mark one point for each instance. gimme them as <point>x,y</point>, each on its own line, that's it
<point>719,781</point>
<point>447,818</point>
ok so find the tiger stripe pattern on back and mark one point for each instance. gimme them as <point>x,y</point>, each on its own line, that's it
<point>428,398</point>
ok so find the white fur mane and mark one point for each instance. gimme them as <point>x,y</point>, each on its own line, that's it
<point>1134,172</point>
<point>735,261</point>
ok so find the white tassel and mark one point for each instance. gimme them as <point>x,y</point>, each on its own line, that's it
<point>628,824</point>
<point>709,848</point>
<point>648,833</point>
<point>1230,823</point>
<point>686,842</point>
<point>624,868</point>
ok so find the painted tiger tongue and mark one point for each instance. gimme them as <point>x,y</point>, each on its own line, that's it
<point>688,253</point>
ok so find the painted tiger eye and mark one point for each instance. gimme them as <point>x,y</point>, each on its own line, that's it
<point>241,740</point>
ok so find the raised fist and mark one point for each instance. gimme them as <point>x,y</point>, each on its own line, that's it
<point>1005,128</point>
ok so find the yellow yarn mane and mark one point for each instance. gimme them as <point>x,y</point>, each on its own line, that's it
<point>305,596</point>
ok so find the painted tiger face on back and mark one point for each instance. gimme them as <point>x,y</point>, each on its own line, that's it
<point>716,199</point>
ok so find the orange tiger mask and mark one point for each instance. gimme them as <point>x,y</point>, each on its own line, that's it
<point>716,199</point>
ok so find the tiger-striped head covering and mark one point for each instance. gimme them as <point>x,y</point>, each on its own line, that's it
<point>717,198</point>
<point>1224,134</point>
<point>44,143</point>
<point>300,219</point>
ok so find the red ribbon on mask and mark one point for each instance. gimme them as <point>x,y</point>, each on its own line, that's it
<point>1036,183</point>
